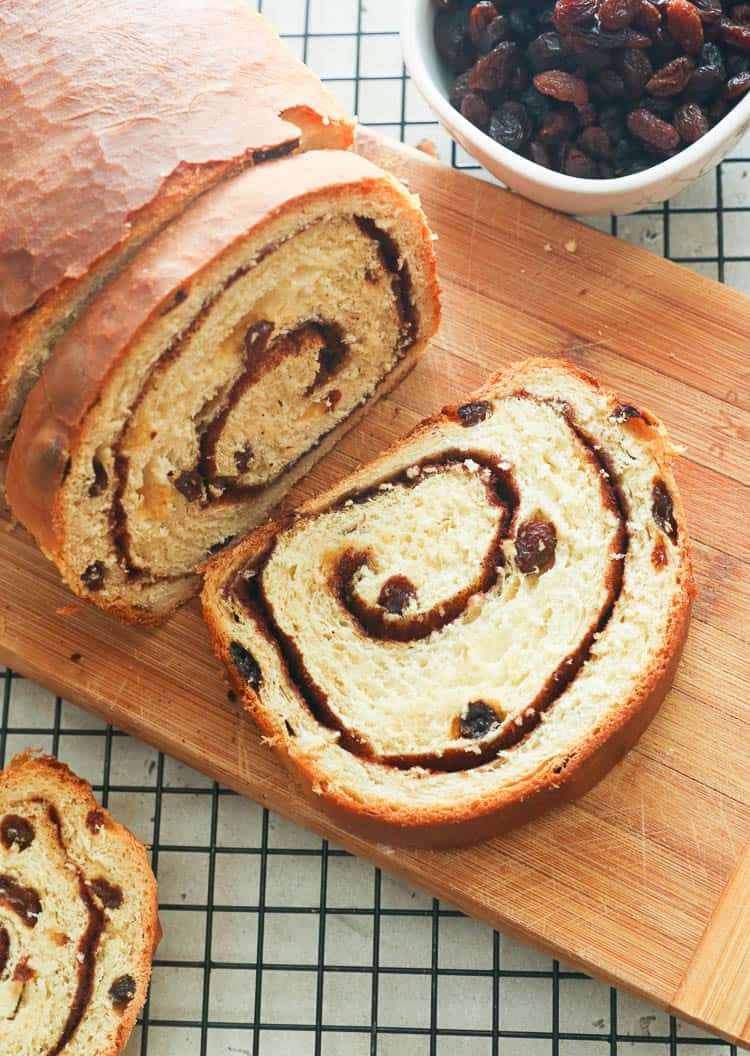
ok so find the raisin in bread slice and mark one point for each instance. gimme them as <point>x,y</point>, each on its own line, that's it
<point>84,185</point>
<point>215,369</point>
<point>78,916</point>
<point>475,625</point>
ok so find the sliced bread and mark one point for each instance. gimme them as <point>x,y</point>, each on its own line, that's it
<point>473,626</point>
<point>78,917</point>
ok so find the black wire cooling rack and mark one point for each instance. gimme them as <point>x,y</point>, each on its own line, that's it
<point>277,944</point>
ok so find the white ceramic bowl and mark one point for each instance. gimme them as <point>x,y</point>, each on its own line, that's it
<point>626,194</point>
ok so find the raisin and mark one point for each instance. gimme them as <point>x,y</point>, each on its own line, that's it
<point>474,413</point>
<point>536,543</point>
<point>246,664</point>
<point>476,109</point>
<point>736,87</point>
<point>652,130</point>
<point>190,484</point>
<point>479,19</point>
<point>92,576</point>
<point>684,23</point>
<point>522,23</point>
<point>493,72</point>
<point>637,71</point>
<point>110,895</point>
<point>575,162</point>
<point>661,105</point>
<point>572,14</point>
<point>4,949</point>
<point>122,991</point>
<point>546,52</point>
<point>617,38</point>
<point>705,82</point>
<point>95,821</point>
<point>736,34</point>
<point>672,78</point>
<point>557,127</point>
<point>741,12</point>
<point>99,483</point>
<point>562,86</point>
<point>23,901</point>
<point>459,88</point>
<point>538,105</point>
<point>691,121</point>
<point>648,18</point>
<point>539,154</point>
<point>497,31</point>
<point>16,832</point>
<point>511,125</point>
<point>612,84</point>
<point>396,595</point>
<point>617,14</point>
<point>624,412</point>
<point>710,11</point>
<point>612,120</point>
<point>596,143</point>
<point>452,39</point>
<point>737,63</point>
<point>243,458</point>
<point>718,109</point>
<point>477,721</point>
<point>662,508</point>
<point>592,59</point>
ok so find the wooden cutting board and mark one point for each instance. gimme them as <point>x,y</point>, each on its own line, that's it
<point>646,881</point>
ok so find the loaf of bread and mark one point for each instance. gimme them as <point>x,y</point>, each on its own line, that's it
<point>113,116</point>
<point>215,368</point>
<point>475,625</point>
<point>78,917</point>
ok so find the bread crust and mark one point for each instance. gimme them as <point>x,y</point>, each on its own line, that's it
<point>56,410</point>
<point>30,766</point>
<point>94,179</point>
<point>561,780</point>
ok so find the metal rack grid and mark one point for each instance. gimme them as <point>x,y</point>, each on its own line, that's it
<point>276,943</point>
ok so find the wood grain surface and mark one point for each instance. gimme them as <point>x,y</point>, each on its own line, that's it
<point>646,881</point>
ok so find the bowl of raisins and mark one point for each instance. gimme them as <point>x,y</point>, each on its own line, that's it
<point>586,106</point>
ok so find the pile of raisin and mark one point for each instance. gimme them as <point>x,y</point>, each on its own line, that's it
<point>595,88</point>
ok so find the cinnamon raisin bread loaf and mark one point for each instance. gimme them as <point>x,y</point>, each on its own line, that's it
<point>214,369</point>
<point>78,917</point>
<point>475,625</point>
<point>113,116</point>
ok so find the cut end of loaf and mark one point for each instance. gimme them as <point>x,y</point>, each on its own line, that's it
<point>215,369</point>
<point>476,625</point>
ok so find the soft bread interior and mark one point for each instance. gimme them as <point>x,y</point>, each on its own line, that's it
<point>406,698</point>
<point>499,647</point>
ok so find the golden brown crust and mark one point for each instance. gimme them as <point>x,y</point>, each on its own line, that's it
<point>70,383</point>
<point>449,825</point>
<point>27,766</point>
<point>78,159</point>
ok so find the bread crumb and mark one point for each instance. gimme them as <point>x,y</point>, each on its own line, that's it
<point>571,246</point>
<point>428,147</point>
<point>68,610</point>
<point>547,247</point>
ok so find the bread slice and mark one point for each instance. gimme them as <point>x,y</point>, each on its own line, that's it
<point>215,369</point>
<point>78,916</point>
<point>111,121</point>
<point>473,626</point>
